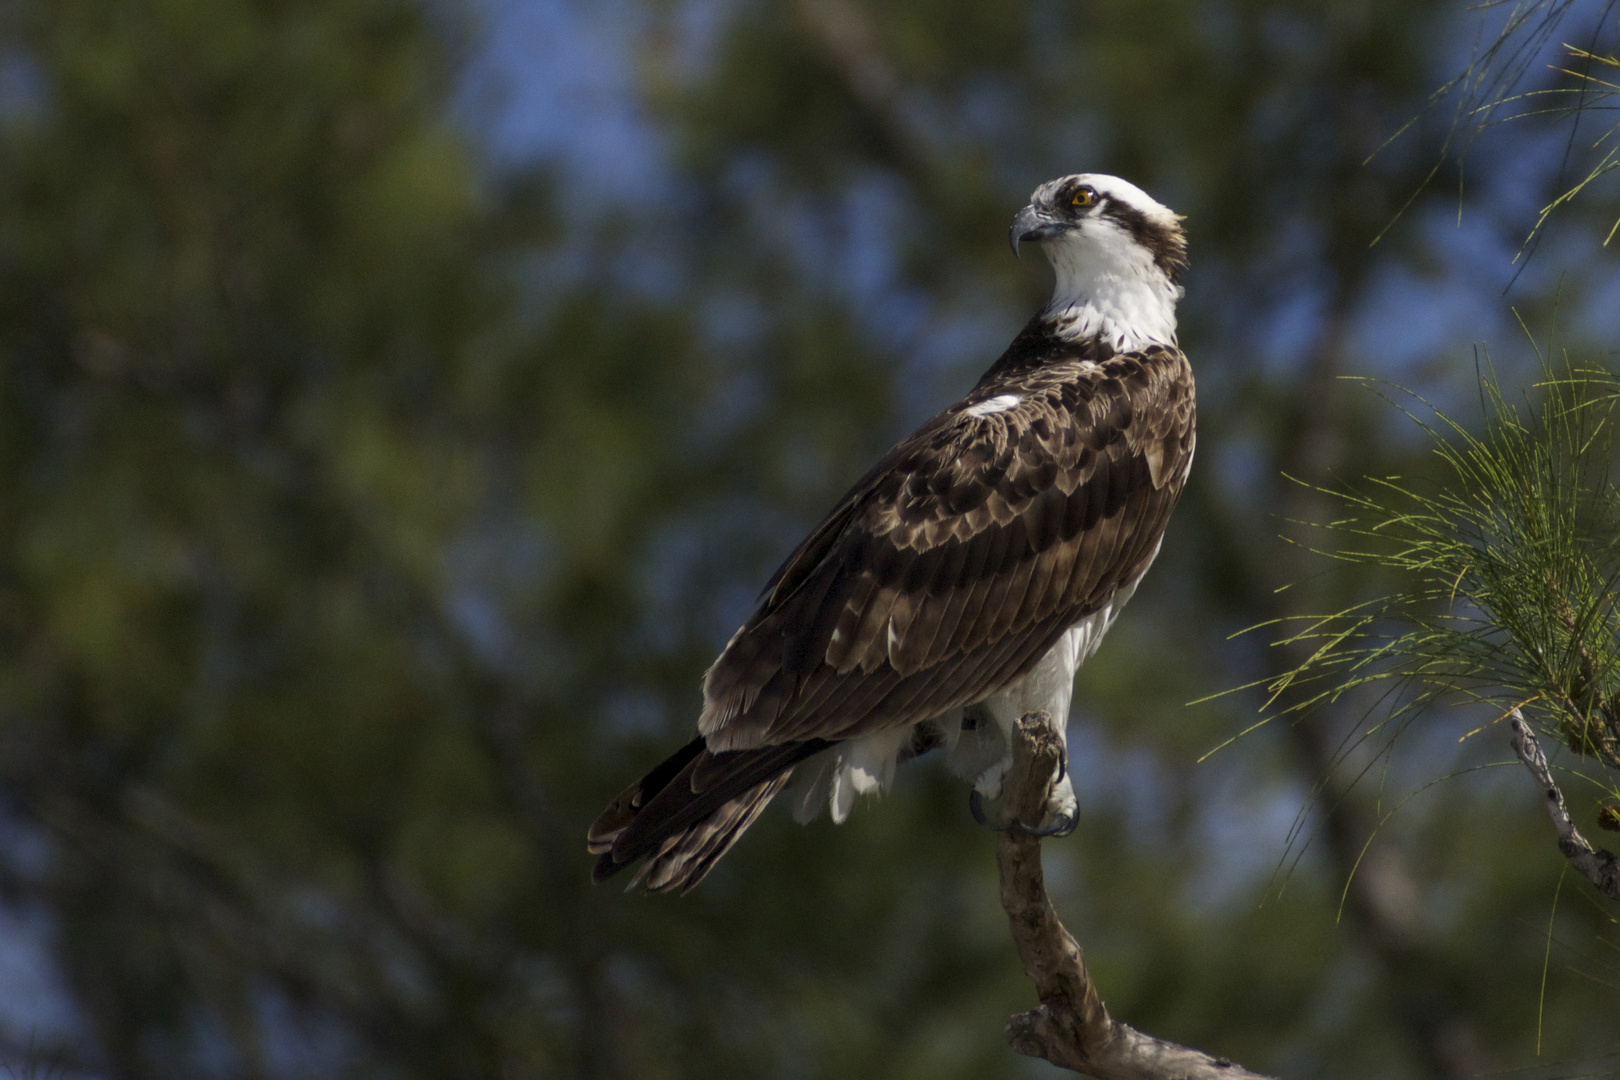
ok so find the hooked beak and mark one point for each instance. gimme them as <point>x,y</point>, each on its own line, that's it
<point>1032,224</point>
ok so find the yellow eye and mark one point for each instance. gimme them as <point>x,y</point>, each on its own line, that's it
<point>1084,196</point>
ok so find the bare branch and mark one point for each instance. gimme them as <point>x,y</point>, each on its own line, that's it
<point>850,44</point>
<point>1072,1028</point>
<point>1601,868</point>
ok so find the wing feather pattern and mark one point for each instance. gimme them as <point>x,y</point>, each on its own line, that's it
<point>944,575</point>
<point>976,528</point>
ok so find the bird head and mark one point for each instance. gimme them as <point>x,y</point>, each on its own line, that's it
<point>1117,253</point>
<point>1105,218</point>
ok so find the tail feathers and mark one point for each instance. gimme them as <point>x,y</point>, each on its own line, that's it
<point>686,813</point>
<point>611,823</point>
<point>683,859</point>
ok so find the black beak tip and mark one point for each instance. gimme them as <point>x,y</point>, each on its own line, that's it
<point>1030,224</point>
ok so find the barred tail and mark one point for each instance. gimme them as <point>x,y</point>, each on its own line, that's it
<point>688,811</point>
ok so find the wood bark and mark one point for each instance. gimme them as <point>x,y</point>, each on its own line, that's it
<point>1072,1028</point>
<point>1600,867</point>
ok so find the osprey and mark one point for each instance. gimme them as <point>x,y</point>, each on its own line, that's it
<point>960,582</point>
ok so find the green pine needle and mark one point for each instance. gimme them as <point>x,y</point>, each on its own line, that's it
<point>1506,571</point>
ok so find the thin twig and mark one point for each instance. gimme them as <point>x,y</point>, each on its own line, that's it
<point>1072,1028</point>
<point>1601,868</point>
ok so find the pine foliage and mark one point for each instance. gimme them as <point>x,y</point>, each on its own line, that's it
<point>1503,571</point>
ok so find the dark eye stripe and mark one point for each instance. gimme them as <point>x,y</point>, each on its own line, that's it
<point>1167,244</point>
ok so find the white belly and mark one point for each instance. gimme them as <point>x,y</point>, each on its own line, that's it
<point>978,738</point>
<point>982,752</point>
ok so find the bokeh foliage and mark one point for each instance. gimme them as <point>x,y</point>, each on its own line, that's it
<point>369,510</point>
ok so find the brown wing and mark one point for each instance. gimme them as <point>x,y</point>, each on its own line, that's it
<point>958,561</point>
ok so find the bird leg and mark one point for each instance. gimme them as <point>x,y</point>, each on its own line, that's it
<point>1061,823</point>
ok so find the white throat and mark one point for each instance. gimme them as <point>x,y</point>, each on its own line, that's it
<point>1109,287</point>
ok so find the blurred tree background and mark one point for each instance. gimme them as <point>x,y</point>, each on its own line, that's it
<point>400,403</point>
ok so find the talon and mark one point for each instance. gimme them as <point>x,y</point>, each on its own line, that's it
<point>1062,825</point>
<point>1063,764</point>
<point>976,808</point>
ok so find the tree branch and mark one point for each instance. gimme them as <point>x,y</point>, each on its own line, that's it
<point>850,45</point>
<point>1072,1028</point>
<point>1601,868</point>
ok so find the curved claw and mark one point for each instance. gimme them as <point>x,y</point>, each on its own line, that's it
<point>976,808</point>
<point>1062,825</point>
